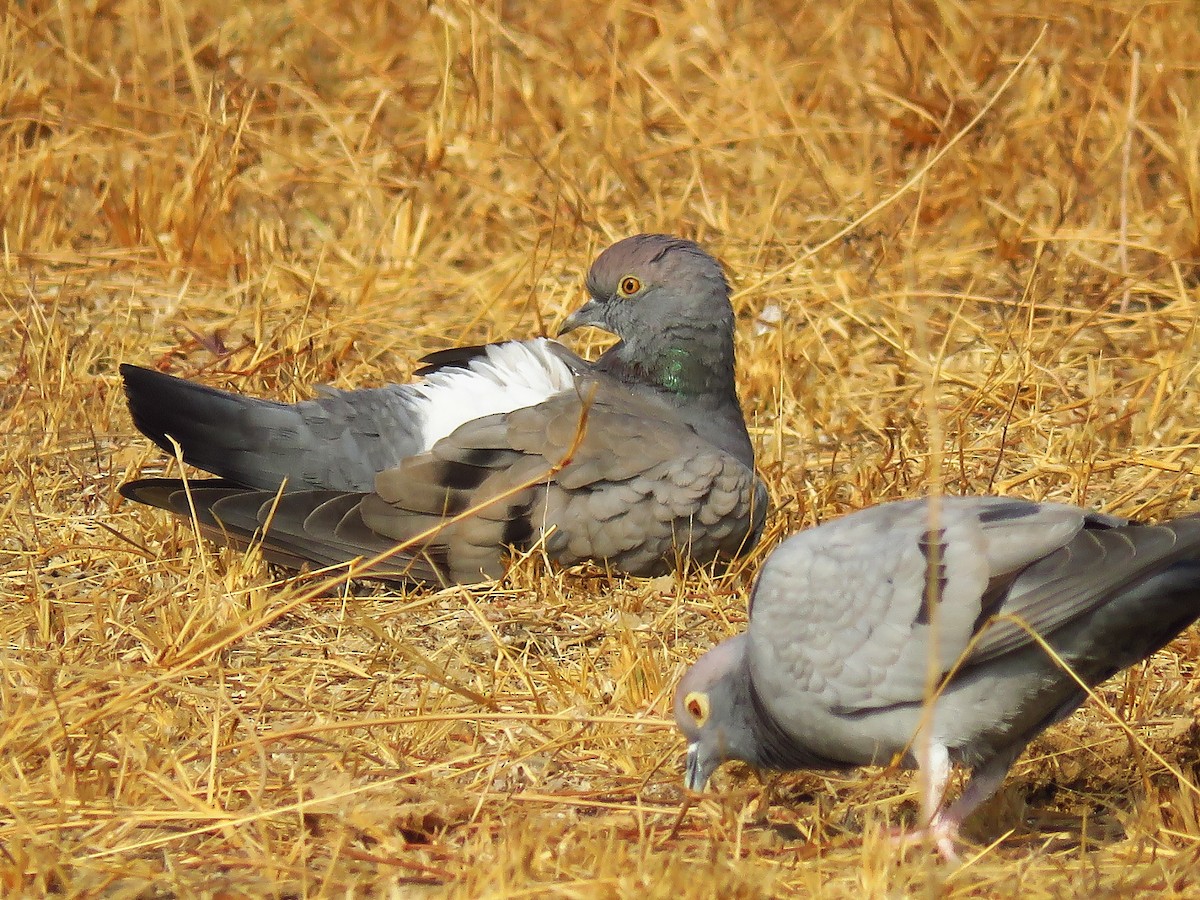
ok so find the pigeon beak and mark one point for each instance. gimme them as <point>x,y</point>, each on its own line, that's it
<point>591,313</point>
<point>696,771</point>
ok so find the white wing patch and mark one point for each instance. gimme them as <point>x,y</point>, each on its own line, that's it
<point>511,376</point>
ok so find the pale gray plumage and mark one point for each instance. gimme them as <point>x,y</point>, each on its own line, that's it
<point>664,468</point>
<point>854,624</point>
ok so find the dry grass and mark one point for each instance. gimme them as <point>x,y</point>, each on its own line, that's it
<point>276,194</point>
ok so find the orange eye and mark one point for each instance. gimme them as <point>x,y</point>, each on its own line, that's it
<point>629,286</point>
<point>697,706</point>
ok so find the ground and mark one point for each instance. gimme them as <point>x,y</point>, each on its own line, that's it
<point>963,241</point>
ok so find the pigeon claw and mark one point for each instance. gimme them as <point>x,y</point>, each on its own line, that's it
<point>942,833</point>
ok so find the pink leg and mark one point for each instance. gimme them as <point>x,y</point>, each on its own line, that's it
<point>984,782</point>
<point>935,777</point>
<point>934,771</point>
<point>942,823</point>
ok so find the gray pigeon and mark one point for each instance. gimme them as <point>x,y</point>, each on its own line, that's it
<point>637,460</point>
<point>856,624</point>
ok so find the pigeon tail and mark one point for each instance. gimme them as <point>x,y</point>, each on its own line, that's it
<point>333,442</point>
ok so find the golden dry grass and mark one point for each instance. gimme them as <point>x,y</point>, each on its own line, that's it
<point>964,241</point>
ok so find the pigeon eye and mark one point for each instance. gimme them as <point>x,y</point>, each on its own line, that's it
<point>629,286</point>
<point>697,706</point>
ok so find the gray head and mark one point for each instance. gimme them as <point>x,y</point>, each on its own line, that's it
<point>715,711</point>
<point>668,302</point>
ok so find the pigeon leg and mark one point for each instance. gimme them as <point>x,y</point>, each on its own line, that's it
<point>935,772</point>
<point>935,769</point>
<point>943,822</point>
<point>985,780</point>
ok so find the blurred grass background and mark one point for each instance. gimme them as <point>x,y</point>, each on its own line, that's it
<point>964,242</point>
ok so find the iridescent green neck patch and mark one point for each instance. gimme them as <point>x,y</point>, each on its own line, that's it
<point>681,372</point>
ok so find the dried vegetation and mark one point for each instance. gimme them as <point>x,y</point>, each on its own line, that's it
<point>964,238</point>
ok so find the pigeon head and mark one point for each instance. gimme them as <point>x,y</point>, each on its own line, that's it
<point>715,712</point>
<point>668,302</point>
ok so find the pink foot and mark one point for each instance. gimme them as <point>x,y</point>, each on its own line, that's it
<point>942,833</point>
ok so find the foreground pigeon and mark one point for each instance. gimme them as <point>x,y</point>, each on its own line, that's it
<point>854,624</point>
<point>637,460</point>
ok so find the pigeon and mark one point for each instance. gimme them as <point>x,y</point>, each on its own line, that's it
<point>905,632</point>
<point>638,461</point>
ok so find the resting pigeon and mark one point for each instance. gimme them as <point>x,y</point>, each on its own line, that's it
<point>854,624</point>
<point>636,460</point>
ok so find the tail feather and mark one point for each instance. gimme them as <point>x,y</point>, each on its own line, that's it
<point>1143,619</point>
<point>296,530</point>
<point>210,426</point>
<point>195,501</point>
<point>337,441</point>
<point>172,495</point>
